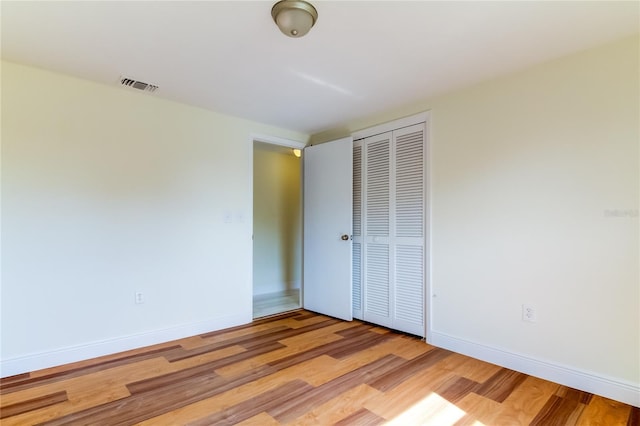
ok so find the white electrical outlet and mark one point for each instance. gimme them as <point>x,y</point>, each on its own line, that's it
<point>529,313</point>
<point>139,297</point>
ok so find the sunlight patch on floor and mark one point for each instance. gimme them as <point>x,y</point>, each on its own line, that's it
<point>432,410</point>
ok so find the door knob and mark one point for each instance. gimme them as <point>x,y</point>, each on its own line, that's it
<point>345,237</point>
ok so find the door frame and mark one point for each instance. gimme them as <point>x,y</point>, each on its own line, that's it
<point>284,142</point>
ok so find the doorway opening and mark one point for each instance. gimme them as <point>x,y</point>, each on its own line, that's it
<point>277,229</point>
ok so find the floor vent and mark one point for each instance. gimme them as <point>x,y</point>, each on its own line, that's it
<point>140,85</point>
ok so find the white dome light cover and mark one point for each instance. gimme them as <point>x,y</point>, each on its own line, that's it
<point>294,17</point>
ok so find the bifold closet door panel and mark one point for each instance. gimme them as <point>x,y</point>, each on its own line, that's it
<point>377,223</point>
<point>357,230</point>
<point>409,229</point>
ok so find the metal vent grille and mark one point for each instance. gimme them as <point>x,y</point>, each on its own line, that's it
<point>140,85</point>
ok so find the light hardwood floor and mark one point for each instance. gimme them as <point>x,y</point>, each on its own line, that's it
<point>297,368</point>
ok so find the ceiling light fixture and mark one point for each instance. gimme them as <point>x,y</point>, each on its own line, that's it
<point>297,152</point>
<point>294,17</point>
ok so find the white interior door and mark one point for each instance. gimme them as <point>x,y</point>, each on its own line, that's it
<point>327,228</point>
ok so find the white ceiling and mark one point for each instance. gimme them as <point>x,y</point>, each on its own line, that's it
<point>361,58</point>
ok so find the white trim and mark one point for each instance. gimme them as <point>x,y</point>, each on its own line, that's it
<point>616,389</point>
<point>428,228</point>
<point>391,125</point>
<point>276,140</point>
<point>37,361</point>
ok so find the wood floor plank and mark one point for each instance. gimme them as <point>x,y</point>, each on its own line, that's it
<point>237,394</point>
<point>130,354</point>
<point>242,391</point>
<point>478,409</point>
<point>254,406</point>
<point>333,347</point>
<point>181,354</point>
<point>262,419</point>
<point>86,391</point>
<point>359,343</point>
<point>206,358</point>
<point>167,392</point>
<point>456,388</point>
<point>305,315</point>
<point>33,404</point>
<point>470,368</point>
<point>431,410</point>
<point>254,362</point>
<point>160,400</point>
<point>335,368</point>
<point>187,373</point>
<point>574,395</point>
<point>362,417</point>
<point>81,371</point>
<point>603,411</point>
<point>295,407</point>
<point>410,347</point>
<point>558,412</point>
<point>526,401</point>
<point>634,417</point>
<point>299,368</point>
<point>334,331</point>
<point>16,378</point>
<point>202,408</point>
<point>192,342</point>
<point>243,330</point>
<point>394,378</point>
<point>284,334</point>
<point>357,330</point>
<point>250,326</point>
<point>294,322</point>
<point>340,408</point>
<point>394,402</point>
<point>501,384</point>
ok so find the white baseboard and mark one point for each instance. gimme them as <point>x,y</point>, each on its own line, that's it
<point>618,390</point>
<point>32,362</point>
<point>276,287</point>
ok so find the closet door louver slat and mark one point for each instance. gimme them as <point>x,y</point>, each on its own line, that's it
<point>357,191</point>
<point>377,280</point>
<point>357,232</point>
<point>409,284</point>
<point>357,280</point>
<point>377,187</point>
<point>410,185</point>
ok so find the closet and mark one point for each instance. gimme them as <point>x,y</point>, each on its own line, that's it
<point>389,217</point>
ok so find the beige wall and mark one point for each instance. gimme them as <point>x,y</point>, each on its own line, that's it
<point>277,219</point>
<point>535,197</point>
<point>108,191</point>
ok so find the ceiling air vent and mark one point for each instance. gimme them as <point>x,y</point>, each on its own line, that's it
<point>140,85</point>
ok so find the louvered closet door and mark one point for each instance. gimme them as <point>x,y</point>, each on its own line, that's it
<point>357,230</point>
<point>389,229</point>
<point>408,242</point>
<point>376,269</point>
